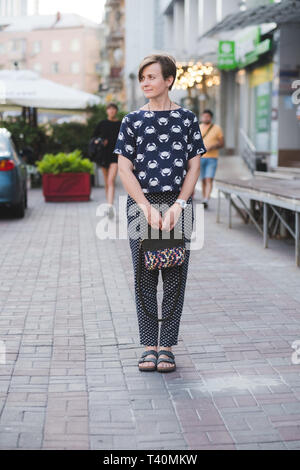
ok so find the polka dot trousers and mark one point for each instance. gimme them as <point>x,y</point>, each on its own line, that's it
<point>137,229</point>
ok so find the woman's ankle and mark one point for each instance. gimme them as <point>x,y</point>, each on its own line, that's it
<point>151,347</point>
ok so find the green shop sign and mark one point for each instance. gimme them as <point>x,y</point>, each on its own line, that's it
<point>226,55</point>
<point>245,50</point>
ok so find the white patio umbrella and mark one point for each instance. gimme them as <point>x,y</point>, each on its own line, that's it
<point>26,88</point>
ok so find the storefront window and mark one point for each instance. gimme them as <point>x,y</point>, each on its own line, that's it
<point>260,107</point>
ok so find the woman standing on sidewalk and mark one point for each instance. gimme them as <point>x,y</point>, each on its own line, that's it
<point>159,146</point>
<point>108,129</point>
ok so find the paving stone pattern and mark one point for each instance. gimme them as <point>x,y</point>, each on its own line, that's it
<point>68,322</point>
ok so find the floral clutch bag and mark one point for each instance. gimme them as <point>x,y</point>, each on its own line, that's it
<point>163,253</point>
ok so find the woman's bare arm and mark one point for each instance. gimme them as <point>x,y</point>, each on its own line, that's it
<point>172,215</point>
<point>133,188</point>
<point>190,178</point>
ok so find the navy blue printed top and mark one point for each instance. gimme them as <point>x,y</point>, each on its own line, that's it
<point>159,144</point>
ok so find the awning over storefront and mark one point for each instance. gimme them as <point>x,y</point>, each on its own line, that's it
<point>287,11</point>
<point>169,7</point>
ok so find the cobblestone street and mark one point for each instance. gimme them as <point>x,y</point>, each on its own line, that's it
<point>69,325</point>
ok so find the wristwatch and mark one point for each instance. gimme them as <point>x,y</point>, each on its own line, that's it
<point>182,203</point>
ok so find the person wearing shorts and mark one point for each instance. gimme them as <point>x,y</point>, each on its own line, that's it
<point>213,141</point>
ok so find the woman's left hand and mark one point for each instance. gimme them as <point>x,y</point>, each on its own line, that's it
<point>171,217</point>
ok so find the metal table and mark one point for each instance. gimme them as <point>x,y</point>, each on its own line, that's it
<point>272,193</point>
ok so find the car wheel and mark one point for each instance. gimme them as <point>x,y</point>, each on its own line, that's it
<point>19,209</point>
<point>26,199</point>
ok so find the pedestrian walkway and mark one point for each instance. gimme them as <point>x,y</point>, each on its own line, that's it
<point>68,321</point>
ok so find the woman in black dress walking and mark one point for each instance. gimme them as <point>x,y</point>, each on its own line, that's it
<point>159,148</point>
<point>108,130</point>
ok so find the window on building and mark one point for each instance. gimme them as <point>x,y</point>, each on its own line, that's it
<point>36,47</point>
<point>13,45</point>
<point>56,45</point>
<point>75,67</point>
<point>55,67</point>
<point>75,45</point>
<point>17,45</point>
<point>2,48</point>
<point>98,68</point>
<point>22,45</point>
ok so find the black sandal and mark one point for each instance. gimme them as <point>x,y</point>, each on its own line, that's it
<point>151,359</point>
<point>171,360</point>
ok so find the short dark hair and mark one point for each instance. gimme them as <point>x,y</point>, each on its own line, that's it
<point>112,105</point>
<point>167,63</point>
<point>208,111</point>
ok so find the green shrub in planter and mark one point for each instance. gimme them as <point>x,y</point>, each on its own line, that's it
<point>65,163</point>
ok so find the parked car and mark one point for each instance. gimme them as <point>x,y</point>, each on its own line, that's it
<point>13,176</point>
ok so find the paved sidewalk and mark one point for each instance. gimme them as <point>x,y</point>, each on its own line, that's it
<point>67,317</point>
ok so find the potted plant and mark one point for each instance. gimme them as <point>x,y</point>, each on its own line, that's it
<point>66,177</point>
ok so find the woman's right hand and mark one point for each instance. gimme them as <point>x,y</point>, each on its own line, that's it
<point>153,216</point>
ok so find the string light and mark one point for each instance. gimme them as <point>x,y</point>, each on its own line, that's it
<point>190,74</point>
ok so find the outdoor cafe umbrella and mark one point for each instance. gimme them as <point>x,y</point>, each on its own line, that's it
<point>25,88</point>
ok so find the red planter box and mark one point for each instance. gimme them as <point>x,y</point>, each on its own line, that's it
<point>66,187</point>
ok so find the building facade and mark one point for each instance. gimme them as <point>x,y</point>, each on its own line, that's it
<point>64,48</point>
<point>259,62</point>
<point>112,85</point>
